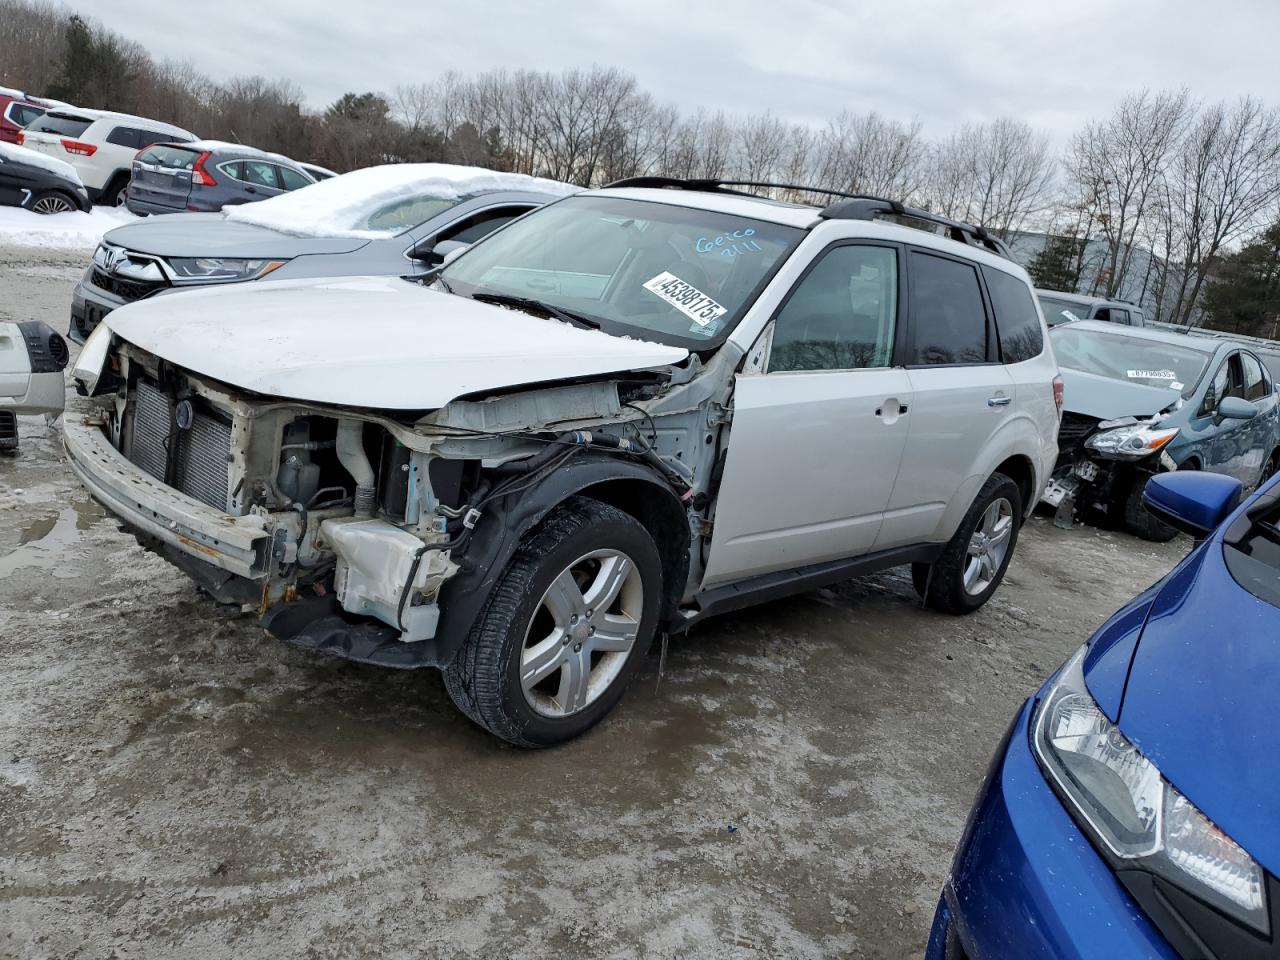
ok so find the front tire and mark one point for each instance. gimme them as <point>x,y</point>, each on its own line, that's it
<point>974,561</point>
<point>1141,521</point>
<point>50,202</point>
<point>565,629</point>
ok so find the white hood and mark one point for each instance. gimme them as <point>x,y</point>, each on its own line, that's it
<point>377,342</point>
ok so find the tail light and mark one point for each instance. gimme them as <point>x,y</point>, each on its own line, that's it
<point>79,148</point>
<point>199,175</point>
<point>1058,390</point>
<point>21,138</point>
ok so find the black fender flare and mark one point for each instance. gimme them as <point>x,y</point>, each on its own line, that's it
<point>500,530</point>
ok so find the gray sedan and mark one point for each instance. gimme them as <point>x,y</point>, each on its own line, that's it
<point>338,231</point>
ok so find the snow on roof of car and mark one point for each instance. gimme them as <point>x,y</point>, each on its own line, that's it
<point>11,92</point>
<point>214,145</point>
<point>124,118</point>
<point>10,151</point>
<point>347,205</point>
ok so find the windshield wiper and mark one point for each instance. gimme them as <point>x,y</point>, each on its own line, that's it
<point>529,303</point>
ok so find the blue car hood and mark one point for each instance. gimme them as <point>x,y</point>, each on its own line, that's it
<point>1102,397</point>
<point>1201,699</point>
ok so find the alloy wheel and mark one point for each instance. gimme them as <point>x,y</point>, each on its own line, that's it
<point>581,633</point>
<point>988,546</point>
<point>52,204</point>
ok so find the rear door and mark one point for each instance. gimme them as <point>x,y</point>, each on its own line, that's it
<point>962,395</point>
<point>260,180</point>
<point>817,437</point>
<point>1261,430</point>
<point>162,176</point>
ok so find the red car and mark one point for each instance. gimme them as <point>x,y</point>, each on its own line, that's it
<point>17,109</point>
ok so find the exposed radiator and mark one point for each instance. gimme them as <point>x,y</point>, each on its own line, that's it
<point>203,450</point>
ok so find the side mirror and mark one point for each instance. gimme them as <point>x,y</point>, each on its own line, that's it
<point>1235,408</point>
<point>1192,501</point>
<point>438,254</point>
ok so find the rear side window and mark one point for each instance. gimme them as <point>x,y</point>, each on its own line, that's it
<point>1017,322</point>
<point>259,173</point>
<point>291,179</point>
<point>948,319</point>
<point>125,137</point>
<point>23,113</point>
<point>842,315</point>
<point>65,125</point>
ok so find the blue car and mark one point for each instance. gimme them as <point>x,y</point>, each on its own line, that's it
<point>1132,809</point>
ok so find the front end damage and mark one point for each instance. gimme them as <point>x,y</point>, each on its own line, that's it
<point>1101,462</point>
<point>366,534</point>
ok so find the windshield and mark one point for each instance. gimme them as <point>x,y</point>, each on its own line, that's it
<point>655,271</point>
<point>1061,311</point>
<point>1151,363</point>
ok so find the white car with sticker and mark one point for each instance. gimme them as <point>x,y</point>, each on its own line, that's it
<point>629,410</point>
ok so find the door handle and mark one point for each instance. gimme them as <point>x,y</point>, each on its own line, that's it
<point>902,409</point>
<point>999,401</point>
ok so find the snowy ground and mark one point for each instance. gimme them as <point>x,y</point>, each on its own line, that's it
<point>175,784</point>
<point>59,231</point>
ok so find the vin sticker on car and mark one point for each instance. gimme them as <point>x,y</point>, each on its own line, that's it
<point>1152,375</point>
<point>686,298</point>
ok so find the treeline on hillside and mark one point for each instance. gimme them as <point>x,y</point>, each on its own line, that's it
<point>1164,173</point>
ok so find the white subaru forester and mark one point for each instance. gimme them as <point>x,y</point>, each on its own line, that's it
<point>623,412</point>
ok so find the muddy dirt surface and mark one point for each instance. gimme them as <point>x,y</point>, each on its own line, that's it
<point>173,783</point>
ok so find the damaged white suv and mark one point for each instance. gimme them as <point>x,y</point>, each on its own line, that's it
<point>621,413</point>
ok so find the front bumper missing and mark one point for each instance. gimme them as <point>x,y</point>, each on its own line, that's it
<point>237,545</point>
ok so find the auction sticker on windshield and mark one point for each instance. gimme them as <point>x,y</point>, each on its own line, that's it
<point>686,298</point>
<point>1152,375</point>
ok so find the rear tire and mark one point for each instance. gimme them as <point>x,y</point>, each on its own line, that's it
<point>537,671</point>
<point>115,193</point>
<point>972,564</point>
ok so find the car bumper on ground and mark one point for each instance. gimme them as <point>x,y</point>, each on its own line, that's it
<point>234,544</point>
<point>1026,882</point>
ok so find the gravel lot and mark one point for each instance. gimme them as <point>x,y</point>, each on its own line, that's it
<point>173,783</point>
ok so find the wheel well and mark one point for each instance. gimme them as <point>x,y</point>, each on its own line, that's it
<point>115,180</point>
<point>1019,470</point>
<point>1191,463</point>
<point>666,522</point>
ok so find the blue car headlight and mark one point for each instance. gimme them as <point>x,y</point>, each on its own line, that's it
<point>1123,802</point>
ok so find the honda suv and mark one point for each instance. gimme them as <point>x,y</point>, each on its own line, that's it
<point>618,415</point>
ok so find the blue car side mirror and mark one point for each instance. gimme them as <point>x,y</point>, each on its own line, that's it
<point>1236,408</point>
<point>1191,501</point>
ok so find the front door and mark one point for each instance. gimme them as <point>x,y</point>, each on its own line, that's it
<point>816,439</point>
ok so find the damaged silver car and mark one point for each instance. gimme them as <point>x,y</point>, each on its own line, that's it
<point>625,412</point>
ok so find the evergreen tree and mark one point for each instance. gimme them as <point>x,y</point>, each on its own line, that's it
<point>96,71</point>
<point>1055,266</point>
<point>1243,295</point>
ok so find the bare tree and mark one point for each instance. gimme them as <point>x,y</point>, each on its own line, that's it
<point>1223,183</point>
<point>865,153</point>
<point>1117,165</point>
<point>997,174</point>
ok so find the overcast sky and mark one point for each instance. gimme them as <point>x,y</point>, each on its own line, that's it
<point>1054,64</point>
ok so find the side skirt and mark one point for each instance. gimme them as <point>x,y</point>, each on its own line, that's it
<point>785,583</point>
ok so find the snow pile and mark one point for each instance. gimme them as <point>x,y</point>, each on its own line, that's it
<point>10,151</point>
<point>346,206</point>
<point>68,231</point>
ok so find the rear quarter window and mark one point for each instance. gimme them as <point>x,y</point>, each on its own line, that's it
<point>1017,320</point>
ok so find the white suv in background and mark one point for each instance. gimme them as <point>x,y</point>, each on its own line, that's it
<point>101,145</point>
<point>621,413</point>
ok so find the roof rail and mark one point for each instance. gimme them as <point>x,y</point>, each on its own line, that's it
<point>872,208</point>
<point>850,206</point>
<point>725,186</point>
